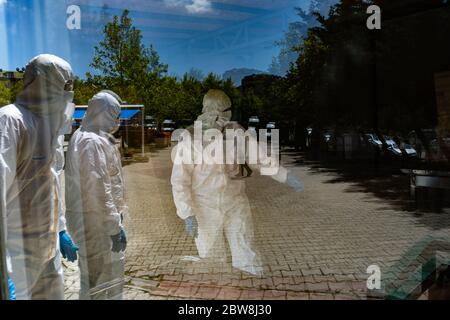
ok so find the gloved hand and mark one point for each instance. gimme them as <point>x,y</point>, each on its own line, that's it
<point>293,182</point>
<point>119,241</point>
<point>11,289</point>
<point>191,226</point>
<point>68,248</point>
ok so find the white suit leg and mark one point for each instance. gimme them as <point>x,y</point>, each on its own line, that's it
<point>43,283</point>
<point>239,233</point>
<point>50,285</point>
<point>101,274</point>
<point>210,241</point>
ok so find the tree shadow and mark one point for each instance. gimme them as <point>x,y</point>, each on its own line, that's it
<point>386,183</point>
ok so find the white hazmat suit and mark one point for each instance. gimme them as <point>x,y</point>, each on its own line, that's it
<point>29,203</point>
<point>95,198</point>
<point>212,194</point>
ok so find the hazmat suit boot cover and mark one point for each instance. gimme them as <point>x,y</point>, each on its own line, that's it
<point>95,198</point>
<point>219,203</point>
<point>28,201</point>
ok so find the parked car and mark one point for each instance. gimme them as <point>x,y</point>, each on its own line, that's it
<point>409,150</point>
<point>392,146</point>
<point>168,126</point>
<point>150,123</point>
<point>373,140</point>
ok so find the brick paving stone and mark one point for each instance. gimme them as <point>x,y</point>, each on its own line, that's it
<point>171,286</point>
<point>277,281</point>
<point>274,295</point>
<point>177,277</point>
<point>297,296</point>
<point>360,286</point>
<point>341,296</point>
<point>297,287</point>
<point>340,286</point>
<point>186,291</point>
<point>227,293</point>
<point>242,283</point>
<point>252,294</point>
<point>321,296</point>
<point>324,237</point>
<point>318,286</point>
<point>207,292</point>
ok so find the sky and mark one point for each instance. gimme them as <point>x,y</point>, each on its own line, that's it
<point>210,35</point>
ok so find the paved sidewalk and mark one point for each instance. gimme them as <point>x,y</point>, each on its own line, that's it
<point>314,245</point>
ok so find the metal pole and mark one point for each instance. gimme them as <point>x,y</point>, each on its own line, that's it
<point>143,131</point>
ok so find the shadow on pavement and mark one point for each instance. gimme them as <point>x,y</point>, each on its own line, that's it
<point>386,183</point>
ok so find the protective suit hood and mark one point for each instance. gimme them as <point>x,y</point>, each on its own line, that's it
<point>216,111</point>
<point>102,114</point>
<point>46,88</point>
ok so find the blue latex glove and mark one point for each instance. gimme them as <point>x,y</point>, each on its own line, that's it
<point>68,248</point>
<point>293,182</point>
<point>191,226</point>
<point>12,289</point>
<point>119,241</point>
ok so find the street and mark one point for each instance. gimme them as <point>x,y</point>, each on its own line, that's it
<point>314,245</point>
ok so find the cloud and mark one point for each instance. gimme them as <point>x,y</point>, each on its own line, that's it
<point>192,6</point>
<point>199,6</point>
<point>2,2</point>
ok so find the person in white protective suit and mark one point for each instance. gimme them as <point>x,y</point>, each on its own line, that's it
<point>212,201</point>
<point>30,164</point>
<point>95,199</point>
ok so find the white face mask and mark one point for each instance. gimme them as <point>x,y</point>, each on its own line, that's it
<point>116,126</point>
<point>67,120</point>
<point>227,115</point>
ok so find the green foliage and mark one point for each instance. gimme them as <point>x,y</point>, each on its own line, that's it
<point>135,72</point>
<point>15,90</point>
<point>84,90</point>
<point>122,58</point>
<point>5,94</point>
<point>333,59</point>
<point>195,73</point>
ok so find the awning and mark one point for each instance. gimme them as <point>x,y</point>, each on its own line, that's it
<point>124,114</point>
<point>128,114</point>
<point>79,114</point>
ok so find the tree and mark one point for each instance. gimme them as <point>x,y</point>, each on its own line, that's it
<point>330,83</point>
<point>295,34</point>
<point>15,90</point>
<point>292,38</point>
<point>84,90</point>
<point>136,73</point>
<point>212,81</point>
<point>5,94</point>
<point>121,58</point>
<point>195,73</point>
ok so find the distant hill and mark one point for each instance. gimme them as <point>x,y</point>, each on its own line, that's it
<point>236,75</point>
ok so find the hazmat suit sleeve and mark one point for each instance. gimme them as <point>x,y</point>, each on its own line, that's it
<point>268,165</point>
<point>9,137</point>
<point>118,190</point>
<point>95,176</point>
<point>58,172</point>
<point>182,189</point>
